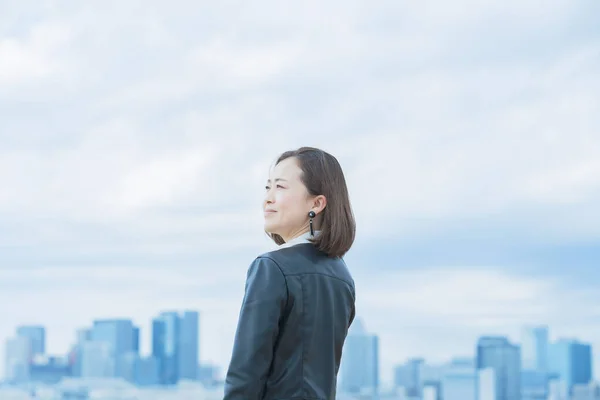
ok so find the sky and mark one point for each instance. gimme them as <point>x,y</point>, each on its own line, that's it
<point>136,138</point>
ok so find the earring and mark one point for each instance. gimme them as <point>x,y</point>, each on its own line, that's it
<point>311,215</point>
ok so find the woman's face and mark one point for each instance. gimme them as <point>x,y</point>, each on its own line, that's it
<point>287,201</point>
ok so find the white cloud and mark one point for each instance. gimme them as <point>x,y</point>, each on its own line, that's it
<point>134,129</point>
<point>33,58</point>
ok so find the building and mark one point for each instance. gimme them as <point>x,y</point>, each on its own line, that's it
<point>175,344</point>
<point>189,345</point>
<point>571,360</point>
<point>18,358</point>
<point>534,348</point>
<point>504,358</point>
<point>486,384</point>
<point>97,359</point>
<point>120,335</point>
<point>534,385</point>
<point>359,369</point>
<point>37,335</point>
<point>410,376</point>
<point>459,380</point>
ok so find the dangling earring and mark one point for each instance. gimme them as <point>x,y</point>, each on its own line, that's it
<point>311,214</point>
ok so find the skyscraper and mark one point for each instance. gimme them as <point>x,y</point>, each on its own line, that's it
<point>188,345</point>
<point>175,343</point>
<point>459,380</point>
<point>504,359</point>
<point>534,348</point>
<point>97,359</point>
<point>409,376</point>
<point>572,361</point>
<point>165,346</point>
<point>18,358</point>
<point>359,369</point>
<point>119,335</point>
<point>37,335</point>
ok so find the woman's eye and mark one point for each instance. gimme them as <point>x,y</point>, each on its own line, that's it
<point>267,188</point>
<point>280,187</point>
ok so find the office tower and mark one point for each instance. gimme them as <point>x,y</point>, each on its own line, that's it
<point>97,360</point>
<point>459,380</point>
<point>188,344</point>
<point>571,360</point>
<point>534,348</point>
<point>127,365</point>
<point>120,336</point>
<point>409,376</point>
<point>175,343</point>
<point>534,385</point>
<point>76,354</point>
<point>165,338</point>
<point>504,358</point>
<point>359,369</point>
<point>18,359</point>
<point>147,371</point>
<point>37,335</point>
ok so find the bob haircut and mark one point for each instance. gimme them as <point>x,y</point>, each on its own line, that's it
<point>323,175</point>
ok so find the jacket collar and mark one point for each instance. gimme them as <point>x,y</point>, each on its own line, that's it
<point>298,240</point>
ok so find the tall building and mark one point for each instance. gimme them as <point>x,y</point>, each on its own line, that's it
<point>459,381</point>
<point>18,359</point>
<point>119,334</point>
<point>359,369</point>
<point>76,355</point>
<point>188,345</point>
<point>504,358</point>
<point>571,360</point>
<point>97,359</point>
<point>37,335</point>
<point>534,348</point>
<point>534,385</point>
<point>410,376</point>
<point>175,344</point>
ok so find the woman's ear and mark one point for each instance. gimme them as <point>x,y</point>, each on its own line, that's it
<point>319,204</point>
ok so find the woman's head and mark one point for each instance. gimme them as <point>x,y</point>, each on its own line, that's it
<point>304,180</point>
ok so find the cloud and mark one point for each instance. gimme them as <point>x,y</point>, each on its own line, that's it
<point>135,141</point>
<point>34,58</point>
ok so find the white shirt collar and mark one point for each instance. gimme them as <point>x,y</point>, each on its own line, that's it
<point>297,240</point>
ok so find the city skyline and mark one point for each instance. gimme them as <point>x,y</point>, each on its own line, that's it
<point>136,140</point>
<point>535,354</point>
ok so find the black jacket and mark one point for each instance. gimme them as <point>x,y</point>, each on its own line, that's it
<point>297,308</point>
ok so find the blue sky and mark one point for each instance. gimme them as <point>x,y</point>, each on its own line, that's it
<point>135,142</point>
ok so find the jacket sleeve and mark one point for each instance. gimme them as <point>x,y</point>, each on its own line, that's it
<point>265,298</point>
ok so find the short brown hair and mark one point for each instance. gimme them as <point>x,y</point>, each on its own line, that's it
<point>323,175</point>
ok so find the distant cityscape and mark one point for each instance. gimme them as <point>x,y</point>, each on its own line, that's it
<point>107,354</point>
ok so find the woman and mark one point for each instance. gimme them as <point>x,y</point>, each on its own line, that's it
<point>299,299</point>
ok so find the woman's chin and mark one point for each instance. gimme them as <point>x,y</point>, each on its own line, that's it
<point>271,230</point>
